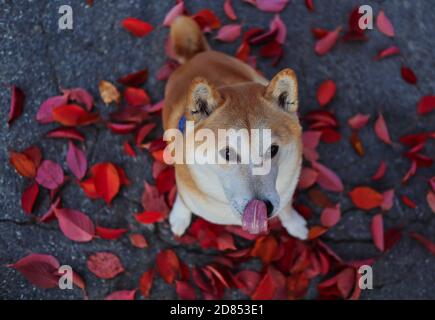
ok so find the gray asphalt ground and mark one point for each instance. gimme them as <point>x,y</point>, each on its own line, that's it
<point>40,59</point>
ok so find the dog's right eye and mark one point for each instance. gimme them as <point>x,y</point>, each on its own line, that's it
<point>229,155</point>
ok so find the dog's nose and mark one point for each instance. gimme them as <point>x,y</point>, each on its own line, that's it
<point>269,207</point>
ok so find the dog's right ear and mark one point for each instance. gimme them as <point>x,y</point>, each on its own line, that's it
<point>203,98</point>
<point>283,90</point>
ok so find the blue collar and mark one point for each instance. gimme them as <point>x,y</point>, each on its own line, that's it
<point>182,124</point>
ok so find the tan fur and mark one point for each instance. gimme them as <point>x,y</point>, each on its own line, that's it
<point>241,98</point>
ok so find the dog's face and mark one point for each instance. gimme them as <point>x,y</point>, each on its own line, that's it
<point>262,133</point>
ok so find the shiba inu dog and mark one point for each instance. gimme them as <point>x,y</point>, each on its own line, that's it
<point>217,91</point>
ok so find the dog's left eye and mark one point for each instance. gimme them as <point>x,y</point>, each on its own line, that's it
<point>273,150</point>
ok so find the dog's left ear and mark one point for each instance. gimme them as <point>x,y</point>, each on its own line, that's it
<point>203,99</point>
<point>283,90</point>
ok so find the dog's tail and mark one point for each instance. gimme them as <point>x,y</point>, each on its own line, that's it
<point>187,38</point>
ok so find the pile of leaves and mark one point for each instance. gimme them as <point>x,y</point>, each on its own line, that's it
<point>288,265</point>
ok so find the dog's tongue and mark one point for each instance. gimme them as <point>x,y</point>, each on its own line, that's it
<point>254,218</point>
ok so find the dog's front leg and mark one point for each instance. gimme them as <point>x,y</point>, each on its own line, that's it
<point>293,222</point>
<point>180,217</point>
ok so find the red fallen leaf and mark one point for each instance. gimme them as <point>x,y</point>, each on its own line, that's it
<point>146,282</point>
<point>411,172</point>
<point>428,244</point>
<point>229,32</point>
<point>297,286</point>
<point>265,248</point>
<point>247,281</point>
<point>75,225</point>
<point>16,106</point>
<point>243,51</point>
<point>71,115</point>
<point>107,181</point>
<point>392,237</point>
<point>310,141</point>
<point>184,290</point>
<point>225,242</point>
<point>388,52</point>
<point>166,70</point>
<point>138,240</point>
<point>325,44</point>
<point>426,105</point>
<point>66,133</point>
<point>136,97</point>
<point>109,233</point>
<point>358,121</point>
<point>330,216</point>
<point>121,128</point>
<point>149,217</point>
<point>308,178</point>
<point>128,150</point>
<point>207,19</point>
<point>272,286</point>
<point>166,180</point>
<point>176,11</point>
<point>123,179</point>
<point>269,5</point>
<point>49,215</point>
<point>88,187</point>
<point>408,202</point>
<point>28,197</point>
<point>326,92</point>
<point>104,265</point>
<point>309,4</point>
<point>134,79</point>
<point>153,201</point>
<point>122,295</point>
<point>381,130</point>
<point>229,11</point>
<point>355,33</point>
<point>143,132</point>
<point>377,229</point>
<point>76,160</point>
<point>408,75</point>
<point>272,49</point>
<point>155,107</point>
<point>384,24</point>
<point>278,26</point>
<point>327,179</point>
<point>380,172</point>
<point>34,153</point>
<point>45,112</point>
<point>168,265</point>
<point>431,200</point>
<point>23,164</point>
<point>137,27</point>
<point>387,203</point>
<point>81,96</point>
<point>320,199</point>
<point>319,33</point>
<point>49,175</point>
<point>366,198</point>
<point>40,269</point>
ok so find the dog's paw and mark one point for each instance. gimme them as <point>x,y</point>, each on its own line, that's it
<point>295,225</point>
<point>178,224</point>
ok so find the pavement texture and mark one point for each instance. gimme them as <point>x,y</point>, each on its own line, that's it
<point>40,59</point>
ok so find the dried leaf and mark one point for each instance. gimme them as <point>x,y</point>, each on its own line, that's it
<point>229,11</point>
<point>330,216</point>
<point>431,200</point>
<point>229,33</point>
<point>381,130</point>
<point>176,11</point>
<point>327,179</point>
<point>325,44</point>
<point>146,282</point>
<point>184,290</point>
<point>428,244</point>
<point>23,164</point>
<point>168,265</point>
<point>136,97</point>
<point>109,233</point>
<point>426,105</point>
<point>80,96</point>
<point>380,172</point>
<point>109,93</point>
<point>107,181</point>
<point>134,79</point>
<point>122,295</point>
<point>66,133</point>
<point>138,240</point>
<point>45,112</point>
<point>358,121</point>
<point>388,52</point>
<point>28,197</point>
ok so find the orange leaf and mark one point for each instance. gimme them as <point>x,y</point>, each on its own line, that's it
<point>107,181</point>
<point>265,248</point>
<point>366,198</point>
<point>23,164</point>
